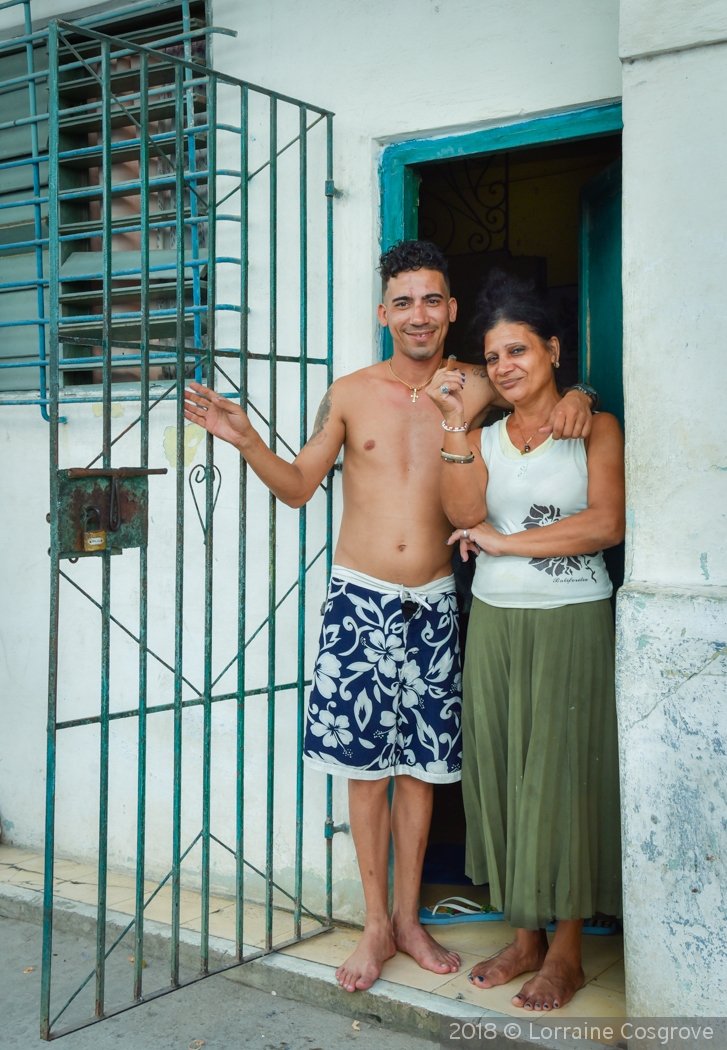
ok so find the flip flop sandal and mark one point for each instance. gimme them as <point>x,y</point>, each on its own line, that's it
<point>457,909</point>
<point>594,927</point>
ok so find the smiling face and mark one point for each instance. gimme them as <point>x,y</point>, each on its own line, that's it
<point>418,311</point>
<point>519,363</point>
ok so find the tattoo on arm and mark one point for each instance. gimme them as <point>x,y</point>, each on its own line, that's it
<point>482,372</point>
<point>322,416</point>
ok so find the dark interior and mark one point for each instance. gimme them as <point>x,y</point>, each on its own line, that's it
<point>519,212</point>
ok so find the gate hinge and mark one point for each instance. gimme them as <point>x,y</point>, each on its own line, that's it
<point>331,190</point>
<point>338,465</point>
<point>332,829</point>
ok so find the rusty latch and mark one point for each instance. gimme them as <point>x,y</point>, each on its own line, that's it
<point>119,497</point>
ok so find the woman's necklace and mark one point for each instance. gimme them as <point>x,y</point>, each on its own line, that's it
<point>414,389</point>
<point>527,441</point>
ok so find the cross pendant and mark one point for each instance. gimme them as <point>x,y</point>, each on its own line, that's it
<point>414,395</point>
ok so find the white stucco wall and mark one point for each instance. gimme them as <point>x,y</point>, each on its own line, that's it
<point>648,27</point>
<point>387,72</point>
<point>396,71</point>
<point>672,628</point>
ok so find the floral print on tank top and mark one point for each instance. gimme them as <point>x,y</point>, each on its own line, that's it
<point>567,566</point>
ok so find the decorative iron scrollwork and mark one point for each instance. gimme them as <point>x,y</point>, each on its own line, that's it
<point>472,207</point>
<point>197,475</point>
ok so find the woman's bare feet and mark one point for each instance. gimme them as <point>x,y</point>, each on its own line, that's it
<point>552,987</point>
<point>526,953</point>
<point>560,975</point>
<point>363,967</point>
<point>412,938</point>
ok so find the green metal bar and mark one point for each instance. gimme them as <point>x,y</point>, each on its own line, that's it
<point>185,65</point>
<point>329,488</point>
<point>264,165</point>
<point>242,545</point>
<point>262,625</point>
<point>127,631</point>
<point>193,199</point>
<point>237,656</point>
<point>105,88</point>
<point>53,374</point>
<point>303,417</point>
<point>143,565</point>
<point>37,215</point>
<point>282,150</point>
<point>209,521</point>
<point>156,401</point>
<point>257,871</point>
<point>151,996</point>
<point>179,559</point>
<point>121,937</point>
<point>184,177</point>
<point>103,830</point>
<point>197,701</point>
<point>273,235</point>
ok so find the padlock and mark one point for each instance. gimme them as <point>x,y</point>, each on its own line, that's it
<point>94,537</point>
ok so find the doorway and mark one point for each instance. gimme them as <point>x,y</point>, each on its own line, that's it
<point>551,214</point>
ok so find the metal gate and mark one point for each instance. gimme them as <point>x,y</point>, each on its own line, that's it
<point>189,235</point>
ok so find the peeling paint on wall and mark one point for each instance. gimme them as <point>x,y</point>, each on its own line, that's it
<point>193,435</point>
<point>671,684</point>
<point>117,410</point>
<point>703,566</point>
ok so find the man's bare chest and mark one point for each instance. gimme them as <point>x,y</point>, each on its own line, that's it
<point>406,434</point>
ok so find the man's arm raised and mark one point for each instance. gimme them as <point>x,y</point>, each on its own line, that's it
<point>571,418</point>
<point>293,483</point>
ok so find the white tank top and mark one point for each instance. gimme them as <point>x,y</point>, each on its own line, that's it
<point>524,492</point>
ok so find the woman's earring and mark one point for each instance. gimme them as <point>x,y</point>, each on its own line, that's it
<point>557,364</point>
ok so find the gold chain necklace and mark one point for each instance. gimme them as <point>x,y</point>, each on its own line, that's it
<point>527,442</point>
<point>414,389</point>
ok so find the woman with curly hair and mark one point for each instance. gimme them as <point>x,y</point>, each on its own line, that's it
<point>540,766</point>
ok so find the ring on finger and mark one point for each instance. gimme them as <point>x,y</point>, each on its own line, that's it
<point>444,389</point>
<point>464,533</point>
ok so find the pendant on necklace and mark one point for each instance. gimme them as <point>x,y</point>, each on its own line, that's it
<point>414,394</point>
<point>526,449</point>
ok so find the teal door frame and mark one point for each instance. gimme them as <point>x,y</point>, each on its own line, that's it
<point>398,183</point>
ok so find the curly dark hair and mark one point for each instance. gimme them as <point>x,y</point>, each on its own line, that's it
<point>412,255</point>
<point>514,301</point>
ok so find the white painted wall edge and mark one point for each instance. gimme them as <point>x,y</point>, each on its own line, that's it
<point>650,27</point>
<point>626,57</point>
<point>494,122</point>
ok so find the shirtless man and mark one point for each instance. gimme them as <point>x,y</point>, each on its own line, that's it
<point>387,685</point>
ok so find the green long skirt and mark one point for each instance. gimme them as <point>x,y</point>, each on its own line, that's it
<point>540,761</point>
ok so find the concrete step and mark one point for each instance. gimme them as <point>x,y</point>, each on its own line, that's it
<point>387,1004</point>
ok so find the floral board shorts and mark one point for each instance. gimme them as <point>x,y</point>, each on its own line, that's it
<point>387,687</point>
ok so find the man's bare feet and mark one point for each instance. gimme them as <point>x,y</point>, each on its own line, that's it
<point>413,939</point>
<point>363,967</point>
<point>526,953</point>
<point>553,986</point>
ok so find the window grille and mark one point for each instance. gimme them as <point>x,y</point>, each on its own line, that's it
<point>176,29</point>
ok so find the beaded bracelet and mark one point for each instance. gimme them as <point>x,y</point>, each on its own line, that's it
<point>455,430</point>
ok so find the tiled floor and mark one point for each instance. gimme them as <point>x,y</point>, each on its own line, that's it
<point>77,882</point>
<point>603,995</point>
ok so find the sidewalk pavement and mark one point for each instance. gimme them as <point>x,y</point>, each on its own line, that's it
<point>223,1014</point>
